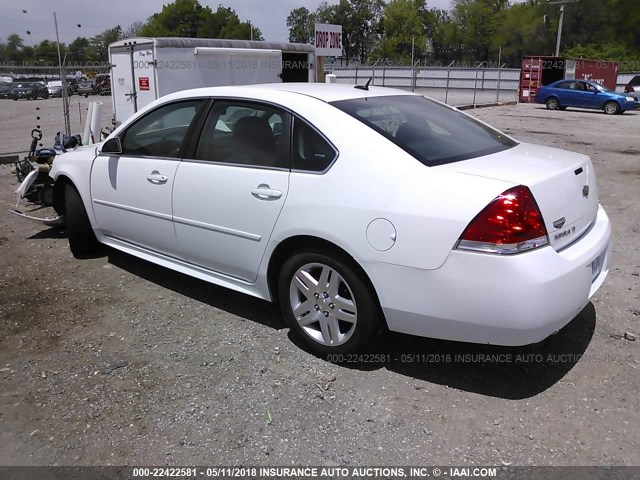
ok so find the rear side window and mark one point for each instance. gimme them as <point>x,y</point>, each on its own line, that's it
<point>635,81</point>
<point>433,133</point>
<point>244,133</point>
<point>310,151</point>
<point>564,85</point>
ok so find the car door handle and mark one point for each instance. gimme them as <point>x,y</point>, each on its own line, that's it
<point>263,192</point>
<point>156,178</point>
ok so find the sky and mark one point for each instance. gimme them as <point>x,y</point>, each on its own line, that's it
<point>96,16</point>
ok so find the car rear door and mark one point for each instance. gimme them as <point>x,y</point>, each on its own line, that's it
<point>131,192</point>
<point>227,198</point>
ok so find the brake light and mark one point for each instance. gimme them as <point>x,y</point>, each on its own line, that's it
<point>511,223</point>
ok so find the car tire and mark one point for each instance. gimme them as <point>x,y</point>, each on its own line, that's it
<point>552,103</point>
<point>341,317</point>
<point>82,240</point>
<point>611,108</point>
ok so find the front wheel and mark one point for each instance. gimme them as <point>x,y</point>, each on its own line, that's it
<point>611,108</point>
<point>82,240</point>
<point>552,103</point>
<point>328,305</point>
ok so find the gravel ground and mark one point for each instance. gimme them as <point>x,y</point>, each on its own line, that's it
<point>116,361</point>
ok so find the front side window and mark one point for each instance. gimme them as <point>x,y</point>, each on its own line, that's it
<point>245,133</point>
<point>161,132</point>
<point>433,133</point>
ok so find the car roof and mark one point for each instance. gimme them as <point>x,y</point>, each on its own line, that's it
<point>326,92</point>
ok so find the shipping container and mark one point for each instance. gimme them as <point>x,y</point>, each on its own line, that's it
<point>540,70</point>
<point>144,69</point>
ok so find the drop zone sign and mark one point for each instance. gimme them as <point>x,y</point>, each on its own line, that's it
<point>328,40</point>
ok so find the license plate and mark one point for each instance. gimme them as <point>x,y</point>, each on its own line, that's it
<point>596,266</point>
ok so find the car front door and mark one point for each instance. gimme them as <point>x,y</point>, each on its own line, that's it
<point>131,192</point>
<point>227,198</point>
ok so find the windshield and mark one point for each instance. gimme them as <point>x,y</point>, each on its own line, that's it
<point>433,133</point>
<point>601,88</point>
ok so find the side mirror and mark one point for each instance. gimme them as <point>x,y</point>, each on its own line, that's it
<point>112,146</point>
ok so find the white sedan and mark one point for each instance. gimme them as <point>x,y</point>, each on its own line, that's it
<point>358,209</point>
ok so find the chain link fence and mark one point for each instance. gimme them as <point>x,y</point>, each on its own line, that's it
<point>39,97</point>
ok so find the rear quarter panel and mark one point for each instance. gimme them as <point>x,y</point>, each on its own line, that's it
<point>373,178</point>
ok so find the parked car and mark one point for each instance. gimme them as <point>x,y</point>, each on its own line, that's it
<point>54,88</point>
<point>29,90</point>
<point>102,84</point>
<point>85,87</point>
<point>5,89</point>
<point>356,208</point>
<point>633,86</point>
<point>584,94</point>
<point>72,86</point>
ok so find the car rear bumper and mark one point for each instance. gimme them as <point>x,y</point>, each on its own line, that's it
<point>501,300</point>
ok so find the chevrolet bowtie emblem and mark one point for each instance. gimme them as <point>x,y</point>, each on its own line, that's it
<point>585,191</point>
<point>559,223</point>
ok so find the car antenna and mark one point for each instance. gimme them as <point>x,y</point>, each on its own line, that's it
<point>365,86</point>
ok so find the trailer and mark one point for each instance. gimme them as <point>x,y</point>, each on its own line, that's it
<point>144,69</point>
<point>540,70</point>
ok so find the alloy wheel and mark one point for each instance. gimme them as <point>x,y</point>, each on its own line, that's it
<point>323,304</point>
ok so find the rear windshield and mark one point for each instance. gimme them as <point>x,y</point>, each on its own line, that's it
<point>433,133</point>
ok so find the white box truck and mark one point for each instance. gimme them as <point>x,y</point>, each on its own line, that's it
<point>144,69</point>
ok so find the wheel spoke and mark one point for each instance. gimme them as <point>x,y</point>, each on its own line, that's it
<point>342,303</point>
<point>307,320</point>
<point>324,329</point>
<point>306,283</point>
<point>334,329</point>
<point>334,284</point>
<point>326,277</point>
<point>346,316</point>
<point>304,307</point>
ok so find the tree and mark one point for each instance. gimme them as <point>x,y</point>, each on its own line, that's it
<point>301,23</point>
<point>14,47</point>
<point>187,18</point>
<point>360,20</point>
<point>133,30</point>
<point>100,43</point>
<point>182,18</point>
<point>522,30</point>
<point>404,30</point>
<point>439,30</point>
<point>47,52</point>
<point>78,50</point>
<point>476,21</point>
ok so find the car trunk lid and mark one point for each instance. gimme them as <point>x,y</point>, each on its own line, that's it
<point>563,184</point>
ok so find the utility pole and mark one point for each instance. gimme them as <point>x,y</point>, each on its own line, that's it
<point>63,82</point>
<point>562,3</point>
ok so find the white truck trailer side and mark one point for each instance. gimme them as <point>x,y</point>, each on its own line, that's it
<point>144,69</point>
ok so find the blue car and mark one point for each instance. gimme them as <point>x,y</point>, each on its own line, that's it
<point>584,94</point>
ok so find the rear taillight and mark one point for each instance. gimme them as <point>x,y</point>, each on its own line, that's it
<point>511,223</point>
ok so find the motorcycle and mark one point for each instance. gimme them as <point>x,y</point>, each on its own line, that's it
<point>36,186</point>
